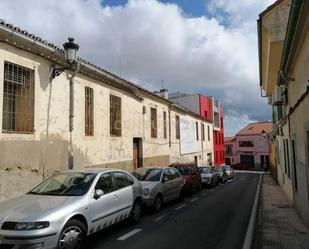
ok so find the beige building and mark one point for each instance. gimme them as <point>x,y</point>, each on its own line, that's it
<point>284,73</point>
<point>93,119</point>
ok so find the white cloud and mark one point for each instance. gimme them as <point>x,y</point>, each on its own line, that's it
<point>149,41</point>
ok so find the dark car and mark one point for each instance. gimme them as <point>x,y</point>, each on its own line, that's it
<point>191,175</point>
<point>222,176</point>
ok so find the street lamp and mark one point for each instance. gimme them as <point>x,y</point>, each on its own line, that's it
<point>70,50</point>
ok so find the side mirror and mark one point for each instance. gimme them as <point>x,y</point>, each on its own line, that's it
<point>165,179</point>
<point>98,193</point>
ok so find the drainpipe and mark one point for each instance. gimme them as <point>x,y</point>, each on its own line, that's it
<point>71,117</point>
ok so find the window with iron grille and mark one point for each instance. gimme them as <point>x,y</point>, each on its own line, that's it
<point>115,116</point>
<point>18,99</point>
<point>196,127</point>
<point>153,113</point>
<point>177,127</point>
<point>203,132</point>
<point>164,125</point>
<point>88,111</point>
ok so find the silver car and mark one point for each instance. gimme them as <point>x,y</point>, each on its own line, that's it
<point>64,209</point>
<point>229,171</point>
<point>160,185</point>
<point>209,175</point>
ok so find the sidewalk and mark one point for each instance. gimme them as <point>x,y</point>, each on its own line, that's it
<point>278,225</point>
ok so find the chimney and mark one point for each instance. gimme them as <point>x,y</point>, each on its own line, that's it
<point>164,93</point>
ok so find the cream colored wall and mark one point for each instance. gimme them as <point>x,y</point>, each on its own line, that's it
<point>299,120</point>
<point>203,148</point>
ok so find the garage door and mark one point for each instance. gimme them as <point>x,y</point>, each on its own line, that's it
<point>247,160</point>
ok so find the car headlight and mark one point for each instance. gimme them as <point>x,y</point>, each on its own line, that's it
<point>20,226</point>
<point>146,191</point>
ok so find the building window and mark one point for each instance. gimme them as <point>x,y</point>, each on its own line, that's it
<point>196,127</point>
<point>177,127</point>
<point>287,157</point>
<point>294,163</point>
<point>164,125</point>
<point>153,114</point>
<point>228,149</point>
<point>208,132</point>
<point>203,132</point>
<point>18,99</point>
<point>246,144</point>
<point>115,116</point>
<point>88,111</point>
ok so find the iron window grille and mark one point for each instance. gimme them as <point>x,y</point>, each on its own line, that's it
<point>177,127</point>
<point>89,124</point>
<point>153,122</point>
<point>18,99</point>
<point>164,125</point>
<point>115,116</point>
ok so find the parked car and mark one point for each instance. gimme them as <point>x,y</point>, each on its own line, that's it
<point>209,176</point>
<point>160,185</point>
<point>222,176</point>
<point>229,171</point>
<point>68,206</point>
<point>191,175</point>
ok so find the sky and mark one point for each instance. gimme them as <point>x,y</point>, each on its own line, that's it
<point>194,46</point>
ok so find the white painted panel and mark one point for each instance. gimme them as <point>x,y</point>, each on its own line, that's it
<point>188,143</point>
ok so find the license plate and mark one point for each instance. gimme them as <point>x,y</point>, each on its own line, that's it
<point>1,239</point>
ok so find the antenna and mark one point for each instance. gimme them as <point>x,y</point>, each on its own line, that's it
<point>162,84</point>
<point>119,66</point>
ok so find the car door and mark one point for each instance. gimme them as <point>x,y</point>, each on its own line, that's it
<point>167,185</point>
<point>102,208</point>
<point>176,182</point>
<point>124,191</point>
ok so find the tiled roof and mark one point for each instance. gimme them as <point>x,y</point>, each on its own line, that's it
<point>229,139</point>
<point>256,129</point>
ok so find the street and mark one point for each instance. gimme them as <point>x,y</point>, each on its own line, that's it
<point>213,218</point>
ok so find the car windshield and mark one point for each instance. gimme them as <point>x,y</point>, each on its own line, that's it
<point>204,170</point>
<point>152,175</point>
<point>184,170</point>
<point>65,184</point>
<point>225,167</point>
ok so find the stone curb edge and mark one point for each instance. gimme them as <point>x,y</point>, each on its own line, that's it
<point>250,229</point>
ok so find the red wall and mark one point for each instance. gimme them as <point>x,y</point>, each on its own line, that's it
<point>219,141</point>
<point>206,107</point>
<point>206,111</point>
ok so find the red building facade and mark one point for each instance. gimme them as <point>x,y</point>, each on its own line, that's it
<point>219,137</point>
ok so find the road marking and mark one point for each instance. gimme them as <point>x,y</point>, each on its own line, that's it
<point>129,234</point>
<point>204,194</point>
<point>180,207</point>
<point>160,218</point>
<point>194,199</point>
<point>211,190</point>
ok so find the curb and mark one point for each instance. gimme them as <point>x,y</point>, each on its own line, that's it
<point>250,229</point>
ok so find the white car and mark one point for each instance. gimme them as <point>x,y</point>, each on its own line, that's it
<point>64,209</point>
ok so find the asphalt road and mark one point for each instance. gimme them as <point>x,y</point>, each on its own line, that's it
<point>212,219</point>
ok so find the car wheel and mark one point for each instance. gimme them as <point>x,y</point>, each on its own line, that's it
<point>199,187</point>
<point>181,194</point>
<point>73,235</point>
<point>157,203</point>
<point>136,212</point>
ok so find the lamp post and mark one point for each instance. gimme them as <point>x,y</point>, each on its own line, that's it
<point>70,50</point>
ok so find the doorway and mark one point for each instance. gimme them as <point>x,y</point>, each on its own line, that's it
<point>137,153</point>
<point>228,161</point>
